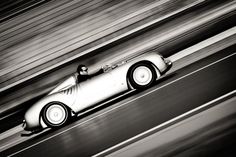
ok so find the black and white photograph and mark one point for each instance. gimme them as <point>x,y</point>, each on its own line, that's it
<point>117,78</point>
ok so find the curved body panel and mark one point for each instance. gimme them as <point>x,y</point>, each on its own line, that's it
<point>96,90</point>
<point>110,83</point>
<point>32,116</point>
<point>79,96</point>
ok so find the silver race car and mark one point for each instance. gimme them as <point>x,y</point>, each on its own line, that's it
<point>71,97</point>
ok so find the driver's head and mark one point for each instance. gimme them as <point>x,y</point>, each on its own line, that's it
<point>82,70</point>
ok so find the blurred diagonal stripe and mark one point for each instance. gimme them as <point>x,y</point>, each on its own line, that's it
<point>56,46</point>
<point>11,8</point>
<point>171,34</point>
<point>192,54</point>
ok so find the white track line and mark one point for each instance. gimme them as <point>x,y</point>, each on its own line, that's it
<point>161,135</point>
<point>165,123</point>
<point>99,115</point>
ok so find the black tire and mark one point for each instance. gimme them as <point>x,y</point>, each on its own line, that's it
<point>56,108</point>
<point>147,69</point>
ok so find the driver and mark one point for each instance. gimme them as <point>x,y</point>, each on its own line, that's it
<point>82,71</point>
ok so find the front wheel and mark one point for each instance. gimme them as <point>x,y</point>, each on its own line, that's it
<point>55,115</point>
<point>142,75</point>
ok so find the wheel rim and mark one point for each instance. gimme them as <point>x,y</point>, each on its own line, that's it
<point>142,75</point>
<point>56,114</point>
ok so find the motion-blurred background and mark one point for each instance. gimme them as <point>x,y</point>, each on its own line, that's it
<point>43,41</point>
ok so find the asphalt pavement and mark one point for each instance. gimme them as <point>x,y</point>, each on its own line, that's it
<point>175,94</point>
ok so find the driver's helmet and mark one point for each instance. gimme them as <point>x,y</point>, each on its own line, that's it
<point>82,70</point>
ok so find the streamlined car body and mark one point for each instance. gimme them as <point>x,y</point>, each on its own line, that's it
<point>71,97</point>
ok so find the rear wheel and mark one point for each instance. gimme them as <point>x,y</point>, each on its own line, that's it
<point>55,115</point>
<point>142,75</point>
